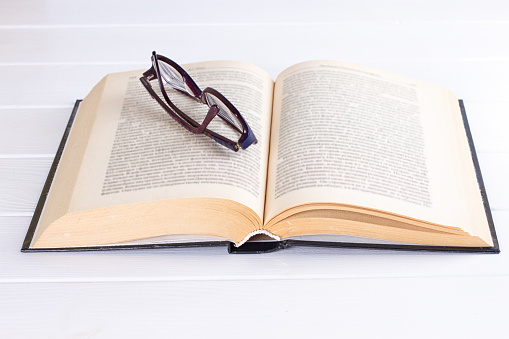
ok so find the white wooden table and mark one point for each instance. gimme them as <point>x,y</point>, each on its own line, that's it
<point>52,52</point>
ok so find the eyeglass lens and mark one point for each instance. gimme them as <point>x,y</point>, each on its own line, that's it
<point>172,77</point>
<point>224,111</point>
<point>228,126</point>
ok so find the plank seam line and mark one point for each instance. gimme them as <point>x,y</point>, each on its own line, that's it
<point>253,24</point>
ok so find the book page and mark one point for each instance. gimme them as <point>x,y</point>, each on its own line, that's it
<point>353,135</point>
<point>138,153</point>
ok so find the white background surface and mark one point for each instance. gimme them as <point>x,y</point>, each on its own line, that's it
<point>52,52</point>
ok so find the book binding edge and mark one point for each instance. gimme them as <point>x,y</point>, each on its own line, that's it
<point>480,181</point>
<point>49,180</point>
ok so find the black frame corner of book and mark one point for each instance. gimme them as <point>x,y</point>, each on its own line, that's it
<point>49,180</point>
<point>480,181</point>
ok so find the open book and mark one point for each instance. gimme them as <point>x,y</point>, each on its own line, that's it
<point>345,155</point>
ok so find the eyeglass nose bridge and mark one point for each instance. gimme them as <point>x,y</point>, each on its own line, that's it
<point>213,110</point>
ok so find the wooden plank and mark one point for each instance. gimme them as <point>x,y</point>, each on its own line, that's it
<point>21,183</point>
<point>61,85</point>
<point>213,264</point>
<point>255,43</point>
<point>113,12</point>
<point>350,308</point>
<point>488,123</point>
<point>51,86</point>
<point>32,132</point>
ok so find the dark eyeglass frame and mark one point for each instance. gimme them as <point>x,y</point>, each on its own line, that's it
<point>247,137</point>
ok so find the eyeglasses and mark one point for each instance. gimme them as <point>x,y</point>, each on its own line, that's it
<point>171,76</point>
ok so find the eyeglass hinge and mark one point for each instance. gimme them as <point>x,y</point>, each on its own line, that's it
<point>149,75</point>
